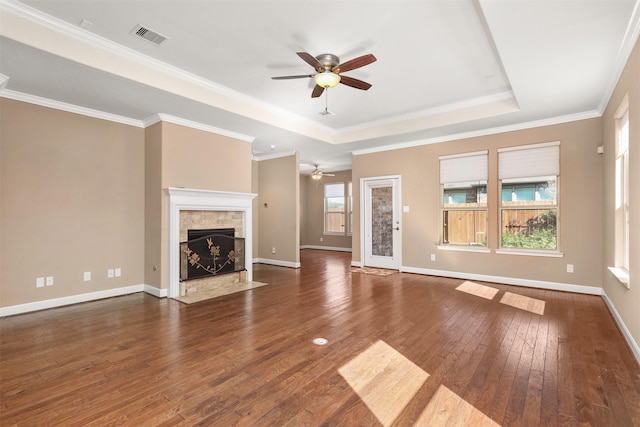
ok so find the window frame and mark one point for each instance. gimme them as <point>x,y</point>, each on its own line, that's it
<point>465,170</point>
<point>326,212</point>
<point>621,212</point>
<point>536,173</point>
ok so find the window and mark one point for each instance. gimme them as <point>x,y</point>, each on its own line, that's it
<point>621,218</point>
<point>334,208</point>
<point>529,196</point>
<point>463,181</point>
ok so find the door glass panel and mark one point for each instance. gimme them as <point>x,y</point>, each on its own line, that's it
<point>382,221</point>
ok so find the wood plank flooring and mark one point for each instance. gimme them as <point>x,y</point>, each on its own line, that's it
<point>403,350</point>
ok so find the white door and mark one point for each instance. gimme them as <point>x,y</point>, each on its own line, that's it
<point>381,237</point>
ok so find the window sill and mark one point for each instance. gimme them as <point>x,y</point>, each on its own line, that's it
<point>530,252</point>
<point>480,249</point>
<point>622,275</point>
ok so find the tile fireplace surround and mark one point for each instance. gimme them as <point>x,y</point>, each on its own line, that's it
<point>185,199</point>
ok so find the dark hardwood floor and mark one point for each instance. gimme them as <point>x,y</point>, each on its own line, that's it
<point>404,349</point>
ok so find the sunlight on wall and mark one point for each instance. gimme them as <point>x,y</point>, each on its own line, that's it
<point>523,303</point>
<point>478,290</point>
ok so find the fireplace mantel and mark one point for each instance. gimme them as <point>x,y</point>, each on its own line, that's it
<point>205,200</point>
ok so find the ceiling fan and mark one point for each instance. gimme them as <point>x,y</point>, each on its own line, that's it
<point>328,69</point>
<point>317,173</point>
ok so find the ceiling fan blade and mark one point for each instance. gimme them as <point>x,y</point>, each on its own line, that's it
<point>352,64</point>
<point>317,91</point>
<point>350,81</point>
<point>309,59</point>
<point>292,77</point>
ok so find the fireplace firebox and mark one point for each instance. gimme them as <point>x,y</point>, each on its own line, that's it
<point>211,252</point>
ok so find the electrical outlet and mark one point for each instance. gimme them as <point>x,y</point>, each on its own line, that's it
<point>273,250</point>
<point>433,257</point>
<point>569,268</point>
<point>118,272</point>
<point>87,276</point>
<point>49,281</point>
<point>39,282</point>
<point>321,239</point>
<point>110,273</point>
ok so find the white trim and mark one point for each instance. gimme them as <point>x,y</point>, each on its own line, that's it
<point>529,252</point>
<point>205,200</point>
<point>628,43</point>
<point>460,248</point>
<point>556,286</point>
<point>76,299</point>
<point>483,132</point>
<point>622,275</point>
<point>271,156</point>
<point>3,82</point>
<point>327,248</point>
<point>156,292</point>
<point>529,146</point>
<point>162,117</point>
<point>276,262</point>
<point>70,108</point>
<point>635,349</point>
<point>356,264</point>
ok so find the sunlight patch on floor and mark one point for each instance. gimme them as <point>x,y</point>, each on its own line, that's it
<point>384,379</point>
<point>524,303</point>
<point>447,408</point>
<point>478,290</point>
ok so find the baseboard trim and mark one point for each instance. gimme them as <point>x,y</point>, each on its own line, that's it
<point>276,262</point>
<point>76,299</point>
<point>635,349</point>
<point>327,248</point>
<point>555,286</point>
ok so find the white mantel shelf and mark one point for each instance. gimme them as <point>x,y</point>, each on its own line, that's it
<point>185,199</point>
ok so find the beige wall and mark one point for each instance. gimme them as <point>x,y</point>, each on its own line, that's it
<point>313,212</point>
<point>255,188</point>
<point>580,205</point>
<point>72,201</point>
<point>626,301</point>
<point>279,220</point>
<point>153,205</point>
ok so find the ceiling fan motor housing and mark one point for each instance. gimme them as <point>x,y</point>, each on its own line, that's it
<point>328,60</point>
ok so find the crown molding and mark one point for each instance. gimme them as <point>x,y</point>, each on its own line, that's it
<point>63,106</point>
<point>484,132</point>
<point>161,117</point>
<point>629,41</point>
<point>260,158</point>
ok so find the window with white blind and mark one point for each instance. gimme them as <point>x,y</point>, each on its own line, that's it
<point>334,208</point>
<point>463,183</point>
<point>529,180</point>
<point>621,215</point>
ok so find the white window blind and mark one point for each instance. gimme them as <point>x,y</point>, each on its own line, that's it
<point>467,167</point>
<point>529,161</point>
<point>334,190</point>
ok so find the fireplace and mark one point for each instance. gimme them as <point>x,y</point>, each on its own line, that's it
<point>211,252</point>
<point>206,209</point>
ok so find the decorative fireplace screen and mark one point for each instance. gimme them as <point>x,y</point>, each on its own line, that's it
<point>211,252</point>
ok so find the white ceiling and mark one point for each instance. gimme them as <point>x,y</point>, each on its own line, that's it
<point>445,68</point>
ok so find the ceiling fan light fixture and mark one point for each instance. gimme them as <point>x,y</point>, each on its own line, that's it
<point>327,79</point>
<point>316,175</point>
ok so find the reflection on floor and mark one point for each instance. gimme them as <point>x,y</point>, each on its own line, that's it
<point>386,381</point>
<point>523,303</point>
<point>478,290</point>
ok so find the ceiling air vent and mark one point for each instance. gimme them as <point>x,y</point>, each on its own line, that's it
<point>148,35</point>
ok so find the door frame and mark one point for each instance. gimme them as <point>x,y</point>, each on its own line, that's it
<point>397,196</point>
